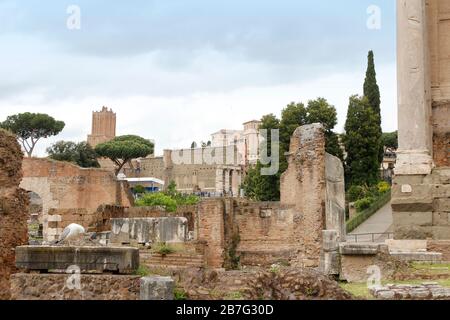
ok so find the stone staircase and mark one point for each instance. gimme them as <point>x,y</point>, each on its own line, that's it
<point>172,261</point>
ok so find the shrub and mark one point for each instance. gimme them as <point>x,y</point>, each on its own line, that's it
<point>356,193</point>
<point>157,199</point>
<point>164,249</point>
<point>364,204</point>
<point>383,187</point>
<point>139,189</point>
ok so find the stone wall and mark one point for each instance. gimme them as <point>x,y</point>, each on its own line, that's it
<point>58,287</point>
<point>13,209</point>
<point>62,185</point>
<point>421,206</point>
<point>314,185</point>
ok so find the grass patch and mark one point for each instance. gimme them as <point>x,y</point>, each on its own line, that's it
<point>237,295</point>
<point>431,266</point>
<point>164,249</point>
<point>142,271</point>
<point>180,294</point>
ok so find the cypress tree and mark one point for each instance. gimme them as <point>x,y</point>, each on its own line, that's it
<point>372,92</point>
<point>362,142</point>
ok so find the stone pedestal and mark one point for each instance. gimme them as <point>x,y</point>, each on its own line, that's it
<point>157,288</point>
<point>120,260</point>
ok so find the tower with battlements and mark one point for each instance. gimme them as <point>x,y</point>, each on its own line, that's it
<point>103,127</point>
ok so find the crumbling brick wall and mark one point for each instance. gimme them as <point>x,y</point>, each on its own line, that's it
<point>304,186</point>
<point>13,209</point>
<point>441,133</point>
<point>62,185</point>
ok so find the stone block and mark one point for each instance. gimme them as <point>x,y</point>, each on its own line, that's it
<point>120,260</point>
<point>149,230</point>
<point>418,256</point>
<point>441,232</point>
<point>441,191</point>
<point>413,232</point>
<point>442,205</point>
<point>359,248</point>
<point>330,263</point>
<point>157,288</point>
<point>421,219</point>
<point>406,245</point>
<point>330,240</point>
<point>441,219</point>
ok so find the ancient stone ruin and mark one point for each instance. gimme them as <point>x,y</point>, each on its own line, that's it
<point>421,191</point>
<point>13,209</point>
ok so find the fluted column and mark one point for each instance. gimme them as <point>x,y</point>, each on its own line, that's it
<point>414,90</point>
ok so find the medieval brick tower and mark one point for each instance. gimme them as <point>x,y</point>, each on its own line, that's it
<point>103,127</point>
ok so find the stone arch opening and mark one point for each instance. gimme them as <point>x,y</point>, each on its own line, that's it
<point>35,219</point>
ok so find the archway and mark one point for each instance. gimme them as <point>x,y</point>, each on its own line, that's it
<point>36,219</point>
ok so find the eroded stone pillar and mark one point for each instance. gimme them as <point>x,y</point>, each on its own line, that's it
<point>414,90</point>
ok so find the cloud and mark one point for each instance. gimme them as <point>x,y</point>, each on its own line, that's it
<point>176,71</point>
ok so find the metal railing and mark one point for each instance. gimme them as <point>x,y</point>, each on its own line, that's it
<point>370,237</point>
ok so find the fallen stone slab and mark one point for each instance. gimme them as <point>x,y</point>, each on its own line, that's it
<point>418,256</point>
<point>157,288</point>
<point>360,248</point>
<point>120,260</point>
<point>425,291</point>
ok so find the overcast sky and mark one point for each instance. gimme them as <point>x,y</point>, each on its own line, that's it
<point>178,70</point>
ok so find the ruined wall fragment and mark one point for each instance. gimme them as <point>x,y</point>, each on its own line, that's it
<point>13,209</point>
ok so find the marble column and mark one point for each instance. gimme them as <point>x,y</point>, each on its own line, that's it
<point>414,156</point>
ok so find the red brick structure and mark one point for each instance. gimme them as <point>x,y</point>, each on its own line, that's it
<point>67,187</point>
<point>13,209</point>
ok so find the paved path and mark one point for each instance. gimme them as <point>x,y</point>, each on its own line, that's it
<point>380,222</point>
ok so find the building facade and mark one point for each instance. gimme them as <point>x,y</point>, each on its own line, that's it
<point>247,141</point>
<point>205,171</point>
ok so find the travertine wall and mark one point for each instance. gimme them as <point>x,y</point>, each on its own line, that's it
<point>13,209</point>
<point>62,185</point>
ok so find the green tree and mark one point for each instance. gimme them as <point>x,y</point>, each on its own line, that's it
<point>292,117</point>
<point>390,139</point>
<point>32,127</point>
<point>264,187</point>
<point>123,149</point>
<point>81,154</point>
<point>361,143</point>
<point>372,92</point>
<point>320,111</point>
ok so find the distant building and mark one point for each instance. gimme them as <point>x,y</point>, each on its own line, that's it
<point>192,170</point>
<point>103,127</point>
<point>247,141</point>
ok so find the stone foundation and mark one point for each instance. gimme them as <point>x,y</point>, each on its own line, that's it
<point>421,206</point>
<point>61,287</point>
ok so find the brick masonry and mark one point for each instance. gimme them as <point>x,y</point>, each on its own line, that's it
<point>64,186</point>
<point>13,209</point>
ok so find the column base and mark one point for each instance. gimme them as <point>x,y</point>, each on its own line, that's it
<point>413,163</point>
